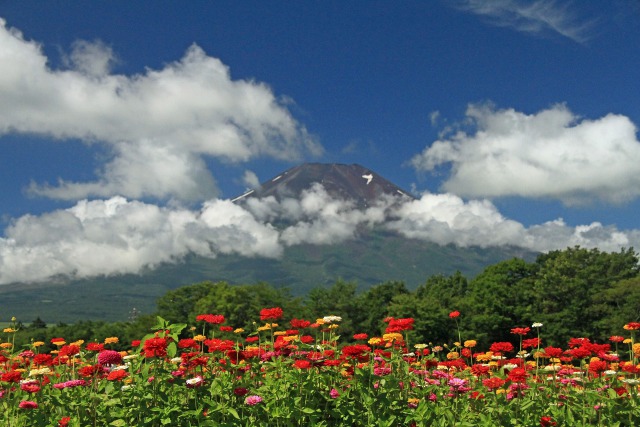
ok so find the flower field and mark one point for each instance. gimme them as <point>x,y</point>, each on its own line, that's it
<point>302,373</point>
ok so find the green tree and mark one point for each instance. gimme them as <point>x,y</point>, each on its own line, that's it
<point>569,285</point>
<point>500,298</point>
<point>372,306</point>
<point>430,306</point>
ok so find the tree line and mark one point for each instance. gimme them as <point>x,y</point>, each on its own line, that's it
<point>574,292</point>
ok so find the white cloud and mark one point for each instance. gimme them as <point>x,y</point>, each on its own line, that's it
<point>175,116</point>
<point>534,17</point>
<point>447,219</point>
<point>550,154</point>
<point>115,236</point>
<point>250,179</point>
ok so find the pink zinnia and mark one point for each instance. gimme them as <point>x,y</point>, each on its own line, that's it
<point>70,383</point>
<point>252,400</point>
<point>334,393</point>
<point>109,357</point>
<point>27,404</point>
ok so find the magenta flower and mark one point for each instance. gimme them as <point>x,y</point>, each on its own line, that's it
<point>334,393</point>
<point>70,383</point>
<point>27,404</point>
<point>109,357</point>
<point>252,400</point>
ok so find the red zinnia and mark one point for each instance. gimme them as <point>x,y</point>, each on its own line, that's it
<point>64,421</point>
<point>11,377</point>
<point>240,391</point>
<point>355,351</point>
<point>454,314</point>
<point>95,346</point>
<point>302,364</point>
<point>118,375</point>
<point>493,383</point>
<point>517,375</point>
<point>520,331</point>
<point>89,371</point>
<point>396,325</point>
<point>360,336</point>
<point>547,422</point>
<point>215,319</point>
<point>530,343</point>
<point>553,351</point>
<point>299,323</point>
<point>500,347</point>
<point>274,313</point>
<point>632,326</point>
<point>155,347</point>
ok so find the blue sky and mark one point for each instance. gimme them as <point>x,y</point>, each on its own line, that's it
<point>127,126</point>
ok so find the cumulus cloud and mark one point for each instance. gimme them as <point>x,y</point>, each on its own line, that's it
<point>533,17</point>
<point>115,236</point>
<point>550,154</point>
<point>448,219</point>
<point>175,116</point>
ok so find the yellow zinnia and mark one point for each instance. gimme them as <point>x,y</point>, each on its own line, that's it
<point>111,340</point>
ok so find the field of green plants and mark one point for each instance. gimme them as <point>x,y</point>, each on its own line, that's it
<point>295,372</point>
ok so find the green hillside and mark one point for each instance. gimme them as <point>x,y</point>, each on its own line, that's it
<point>370,259</point>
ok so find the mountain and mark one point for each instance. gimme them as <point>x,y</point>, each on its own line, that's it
<point>371,256</point>
<point>349,182</point>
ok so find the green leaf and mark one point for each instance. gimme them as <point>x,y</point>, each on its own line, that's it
<point>234,413</point>
<point>118,423</point>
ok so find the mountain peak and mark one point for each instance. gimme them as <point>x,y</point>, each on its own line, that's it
<point>349,182</point>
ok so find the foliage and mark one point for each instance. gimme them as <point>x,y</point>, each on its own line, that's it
<point>578,292</point>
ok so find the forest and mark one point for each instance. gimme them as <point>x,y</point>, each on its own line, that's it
<point>573,292</point>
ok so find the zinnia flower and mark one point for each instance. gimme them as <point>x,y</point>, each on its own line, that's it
<point>240,391</point>
<point>334,393</point>
<point>155,347</point>
<point>70,384</point>
<point>252,400</point>
<point>30,386</point>
<point>109,357</point>
<point>396,325</point>
<point>501,347</point>
<point>632,326</point>
<point>454,314</point>
<point>27,404</point>
<point>274,313</point>
<point>214,319</point>
<point>118,375</point>
<point>299,323</point>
